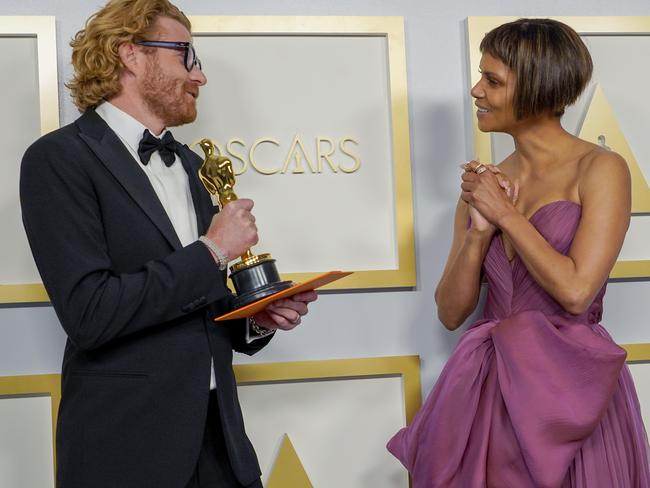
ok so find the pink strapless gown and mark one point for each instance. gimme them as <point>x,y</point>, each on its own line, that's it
<point>531,396</point>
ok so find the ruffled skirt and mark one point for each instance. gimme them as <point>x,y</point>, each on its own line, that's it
<point>531,401</point>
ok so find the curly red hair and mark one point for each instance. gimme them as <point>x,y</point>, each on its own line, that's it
<point>95,55</point>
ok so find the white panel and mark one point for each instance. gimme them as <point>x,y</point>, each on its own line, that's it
<point>26,455</point>
<point>280,87</point>
<point>339,428</point>
<point>19,127</point>
<point>626,311</point>
<point>30,343</point>
<point>636,246</point>
<point>641,374</point>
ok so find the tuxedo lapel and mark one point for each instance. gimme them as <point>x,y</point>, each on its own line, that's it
<point>118,160</point>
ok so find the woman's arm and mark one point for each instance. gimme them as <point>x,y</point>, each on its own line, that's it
<point>458,290</point>
<point>573,280</point>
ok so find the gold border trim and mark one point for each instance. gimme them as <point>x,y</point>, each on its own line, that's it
<point>44,29</point>
<point>34,292</point>
<point>408,367</point>
<point>631,269</point>
<point>637,352</point>
<point>393,29</point>
<point>36,385</point>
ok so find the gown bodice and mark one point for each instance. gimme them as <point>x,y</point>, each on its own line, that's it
<point>512,289</point>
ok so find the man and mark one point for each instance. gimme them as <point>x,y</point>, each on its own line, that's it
<point>113,215</point>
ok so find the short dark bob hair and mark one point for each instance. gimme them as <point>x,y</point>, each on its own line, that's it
<point>551,64</point>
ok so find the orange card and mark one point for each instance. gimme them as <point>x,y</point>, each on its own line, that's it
<point>253,308</point>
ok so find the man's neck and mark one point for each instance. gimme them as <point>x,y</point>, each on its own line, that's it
<point>137,109</point>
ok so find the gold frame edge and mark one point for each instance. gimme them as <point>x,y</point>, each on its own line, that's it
<point>44,29</point>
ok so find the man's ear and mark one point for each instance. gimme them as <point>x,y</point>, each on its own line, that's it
<point>128,55</point>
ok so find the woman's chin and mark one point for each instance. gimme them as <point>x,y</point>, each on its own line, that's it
<point>484,127</point>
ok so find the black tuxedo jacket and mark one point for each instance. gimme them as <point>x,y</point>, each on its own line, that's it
<point>136,307</point>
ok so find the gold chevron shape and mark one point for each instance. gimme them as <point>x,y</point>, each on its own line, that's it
<point>601,127</point>
<point>288,471</point>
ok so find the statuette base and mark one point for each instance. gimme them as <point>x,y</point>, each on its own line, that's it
<point>256,281</point>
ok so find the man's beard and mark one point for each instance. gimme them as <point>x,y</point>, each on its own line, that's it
<point>166,96</point>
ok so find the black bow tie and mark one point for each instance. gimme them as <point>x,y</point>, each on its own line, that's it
<point>167,147</point>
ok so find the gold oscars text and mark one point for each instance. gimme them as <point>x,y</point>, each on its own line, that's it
<point>268,156</point>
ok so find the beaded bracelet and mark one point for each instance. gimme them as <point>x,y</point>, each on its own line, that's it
<point>222,259</point>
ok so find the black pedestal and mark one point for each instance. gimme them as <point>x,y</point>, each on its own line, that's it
<point>256,282</point>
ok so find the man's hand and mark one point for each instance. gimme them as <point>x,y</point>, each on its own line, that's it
<point>233,229</point>
<point>285,313</point>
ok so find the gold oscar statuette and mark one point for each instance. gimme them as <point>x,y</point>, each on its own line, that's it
<point>254,276</point>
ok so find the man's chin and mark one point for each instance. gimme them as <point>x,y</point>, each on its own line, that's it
<point>182,119</point>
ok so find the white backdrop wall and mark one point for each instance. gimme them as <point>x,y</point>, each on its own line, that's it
<point>359,324</point>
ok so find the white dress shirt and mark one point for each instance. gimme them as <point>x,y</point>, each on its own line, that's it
<point>170,183</point>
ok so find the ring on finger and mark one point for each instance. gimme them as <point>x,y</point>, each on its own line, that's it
<point>481,168</point>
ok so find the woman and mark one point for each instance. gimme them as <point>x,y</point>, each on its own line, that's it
<point>536,394</point>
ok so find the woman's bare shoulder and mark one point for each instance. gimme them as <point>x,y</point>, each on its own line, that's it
<point>602,170</point>
<point>600,162</point>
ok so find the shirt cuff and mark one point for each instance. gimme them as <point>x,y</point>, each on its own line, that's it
<point>254,331</point>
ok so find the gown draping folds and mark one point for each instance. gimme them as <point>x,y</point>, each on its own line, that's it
<point>532,396</point>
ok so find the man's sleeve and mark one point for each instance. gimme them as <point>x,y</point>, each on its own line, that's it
<point>63,222</point>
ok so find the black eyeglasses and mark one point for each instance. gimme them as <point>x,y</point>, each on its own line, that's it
<point>189,60</point>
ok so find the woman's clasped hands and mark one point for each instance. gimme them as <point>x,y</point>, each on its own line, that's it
<point>489,193</point>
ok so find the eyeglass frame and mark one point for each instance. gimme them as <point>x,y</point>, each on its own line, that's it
<point>178,45</point>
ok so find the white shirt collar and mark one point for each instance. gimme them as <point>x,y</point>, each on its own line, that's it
<point>126,127</point>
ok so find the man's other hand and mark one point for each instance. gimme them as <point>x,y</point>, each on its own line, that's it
<point>285,313</point>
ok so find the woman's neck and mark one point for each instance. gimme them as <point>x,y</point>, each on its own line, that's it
<point>539,143</point>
